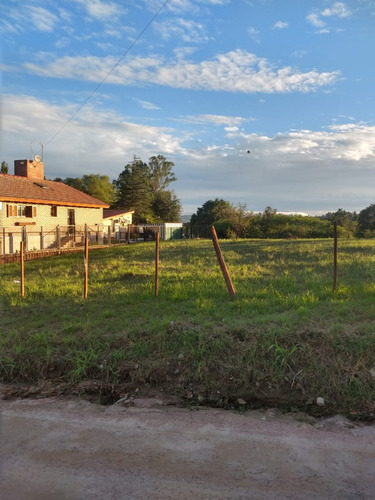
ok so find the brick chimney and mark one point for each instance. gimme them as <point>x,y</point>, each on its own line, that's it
<point>32,169</point>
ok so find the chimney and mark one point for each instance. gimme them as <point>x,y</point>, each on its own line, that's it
<point>32,169</point>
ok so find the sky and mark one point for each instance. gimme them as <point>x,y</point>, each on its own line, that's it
<point>259,102</point>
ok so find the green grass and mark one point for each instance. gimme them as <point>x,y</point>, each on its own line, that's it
<point>284,339</point>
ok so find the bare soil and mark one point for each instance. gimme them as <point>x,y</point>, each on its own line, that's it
<point>64,447</point>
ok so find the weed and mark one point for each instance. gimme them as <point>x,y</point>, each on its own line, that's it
<point>284,356</point>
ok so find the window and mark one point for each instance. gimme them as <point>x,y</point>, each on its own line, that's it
<point>24,211</point>
<point>21,211</point>
<point>53,211</point>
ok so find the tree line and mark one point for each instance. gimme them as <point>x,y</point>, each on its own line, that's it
<point>142,187</point>
<point>238,222</point>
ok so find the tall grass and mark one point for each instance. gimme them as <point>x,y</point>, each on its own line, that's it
<point>284,338</point>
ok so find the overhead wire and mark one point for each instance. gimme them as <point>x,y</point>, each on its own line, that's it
<point>109,73</point>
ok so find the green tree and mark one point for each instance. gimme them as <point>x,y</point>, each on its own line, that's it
<point>100,187</point>
<point>4,167</point>
<point>74,182</point>
<point>166,207</point>
<point>134,190</point>
<point>266,221</point>
<point>161,174</point>
<point>366,222</point>
<point>211,211</point>
<point>240,219</point>
<point>347,222</point>
<point>96,185</point>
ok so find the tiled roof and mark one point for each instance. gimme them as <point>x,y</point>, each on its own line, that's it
<point>109,214</point>
<point>19,189</point>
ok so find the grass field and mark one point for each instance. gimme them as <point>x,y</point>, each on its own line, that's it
<point>284,340</point>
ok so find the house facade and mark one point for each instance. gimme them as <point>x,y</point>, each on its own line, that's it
<point>34,205</point>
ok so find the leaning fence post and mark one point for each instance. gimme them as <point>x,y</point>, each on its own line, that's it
<point>220,258</point>
<point>86,269</point>
<point>22,257</point>
<point>334,257</point>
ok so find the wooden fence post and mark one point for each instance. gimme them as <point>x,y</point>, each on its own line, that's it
<point>24,237</point>
<point>86,268</point>
<point>157,264</point>
<point>41,238</point>
<point>220,258</point>
<point>334,286</point>
<point>22,257</point>
<point>58,239</point>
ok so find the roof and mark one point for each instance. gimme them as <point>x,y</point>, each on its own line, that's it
<point>17,189</point>
<point>110,214</point>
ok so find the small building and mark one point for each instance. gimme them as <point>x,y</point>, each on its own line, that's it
<point>116,219</point>
<point>29,201</point>
<point>166,230</point>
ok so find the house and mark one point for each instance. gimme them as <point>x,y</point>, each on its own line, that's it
<point>116,219</point>
<point>30,202</point>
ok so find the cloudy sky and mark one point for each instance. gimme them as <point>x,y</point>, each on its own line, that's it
<point>202,82</point>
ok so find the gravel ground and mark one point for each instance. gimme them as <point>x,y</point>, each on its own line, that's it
<point>66,448</point>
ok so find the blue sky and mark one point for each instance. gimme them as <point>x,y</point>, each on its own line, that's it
<point>99,81</point>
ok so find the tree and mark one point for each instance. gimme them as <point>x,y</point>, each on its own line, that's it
<point>74,182</point>
<point>96,185</point>
<point>100,187</point>
<point>142,187</point>
<point>134,190</point>
<point>4,167</point>
<point>346,222</point>
<point>211,211</point>
<point>161,174</point>
<point>240,219</point>
<point>266,220</point>
<point>166,207</point>
<point>366,222</point>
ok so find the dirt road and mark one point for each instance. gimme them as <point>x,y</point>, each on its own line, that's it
<point>64,448</point>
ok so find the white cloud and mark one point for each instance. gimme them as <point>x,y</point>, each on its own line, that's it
<point>185,30</point>
<point>147,104</point>
<point>95,141</point>
<point>235,71</point>
<point>339,9</point>
<point>101,10</point>
<point>216,119</point>
<point>254,34</point>
<point>315,20</point>
<point>280,25</point>
<point>30,18</point>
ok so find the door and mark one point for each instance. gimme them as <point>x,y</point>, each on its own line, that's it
<point>71,220</point>
<point>71,217</point>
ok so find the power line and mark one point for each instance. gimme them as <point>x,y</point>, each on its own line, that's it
<point>109,73</point>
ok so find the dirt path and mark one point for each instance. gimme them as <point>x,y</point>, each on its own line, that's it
<point>65,448</point>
